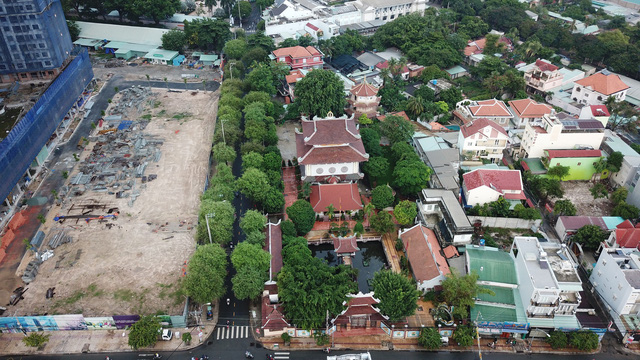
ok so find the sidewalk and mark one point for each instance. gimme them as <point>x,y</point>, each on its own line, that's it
<point>97,341</point>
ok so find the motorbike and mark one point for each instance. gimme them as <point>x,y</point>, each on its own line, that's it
<point>248,355</point>
<point>269,357</point>
<point>327,350</point>
<point>157,357</point>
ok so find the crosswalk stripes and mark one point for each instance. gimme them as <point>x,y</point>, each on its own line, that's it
<point>232,332</point>
<point>281,356</point>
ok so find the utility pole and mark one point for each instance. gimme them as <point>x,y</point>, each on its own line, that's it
<point>478,336</point>
<point>222,121</point>
<point>206,217</point>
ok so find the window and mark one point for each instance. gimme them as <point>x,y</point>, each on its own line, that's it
<point>578,89</point>
<point>496,142</point>
<point>579,163</point>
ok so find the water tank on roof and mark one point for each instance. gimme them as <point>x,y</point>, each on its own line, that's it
<point>434,82</point>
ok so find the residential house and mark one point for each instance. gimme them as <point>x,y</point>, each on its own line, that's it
<point>388,10</point>
<point>438,154</point>
<point>598,112</point>
<point>452,224</point>
<point>569,225</point>
<point>456,72</point>
<point>630,161</point>
<point>494,110</point>
<point>476,47</point>
<point>624,236</point>
<point>597,88</point>
<point>483,186</point>
<point>344,197</point>
<point>298,57</point>
<point>548,283</point>
<point>428,265</point>
<point>527,110</point>
<point>581,163</point>
<point>291,80</point>
<point>401,114</point>
<point>554,134</point>
<point>330,148</point>
<point>363,99</point>
<point>347,65</point>
<point>161,57</point>
<point>360,312</point>
<point>482,139</point>
<point>408,71</point>
<point>541,77</point>
<point>616,280</point>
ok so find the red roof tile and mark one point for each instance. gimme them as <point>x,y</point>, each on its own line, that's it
<point>343,197</point>
<point>478,125</point>
<point>627,236</point>
<point>500,180</point>
<point>604,84</point>
<point>329,141</point>
<point>360,304</point>
<point>527,108</point>
<point>294,76</point>
<point>599,110</point>
<point>572,223</point>
<point>423,252</point>
<point>552,154</point>
<point>273,245</point>
<point>450,251</point>
<point>545,66</point>
<point>475,47</point>
<point>272,316</point>
<point>364,89</point>
<point>397,113</point>
<point>296,52</point>
<point>490,108</point>
<point>312,27</point>
<point>345,245</point>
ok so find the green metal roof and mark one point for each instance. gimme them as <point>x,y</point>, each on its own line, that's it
<point>502,295</point>
<point>557,322</point>
<point>208,57</point>
<point>493,313</point>
<point>130,46</point>
<point>456,70</point>
<point>167,55</point>
<point>87,42</point>
<point>491,264</point>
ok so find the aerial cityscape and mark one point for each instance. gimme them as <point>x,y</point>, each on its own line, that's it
<point>314,179</point>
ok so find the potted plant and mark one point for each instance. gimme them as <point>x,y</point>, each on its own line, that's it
<point>186,337</point>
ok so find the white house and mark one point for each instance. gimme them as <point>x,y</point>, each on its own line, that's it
<point>595,89</point>
<point>482,186</point>
<point>548,282</point>
<point>554,134</point>
<point>388,10</point>
<point>330,148</point>
<point>630,161</point>
<point>527,110</point>
<point>542,76</point>
<point>482,139</point>
<point>616,278</point>
<point>428,265</point>
<point>494,110</point>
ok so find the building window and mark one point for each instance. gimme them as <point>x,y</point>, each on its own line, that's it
<point>579,163</point>
<point>578,89</point>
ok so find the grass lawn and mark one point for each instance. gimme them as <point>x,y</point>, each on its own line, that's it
<point>472,89</point>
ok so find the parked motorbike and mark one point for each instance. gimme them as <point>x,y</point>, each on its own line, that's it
<point>248,355</point>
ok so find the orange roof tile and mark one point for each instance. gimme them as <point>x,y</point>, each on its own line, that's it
<point>423,252</point>
<point>364,89</point>
<point>296,52</point>
<point>604,84</point>
<point>527,108</point>
<point>492,108</point>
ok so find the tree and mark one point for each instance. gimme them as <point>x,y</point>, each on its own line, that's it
<point>248,283</point>
<point>626,211</point>
<point>382,222</point>
<point>364,120</point>
<point>273,161</point>
<point>403,151</point>
<point>274,201</point>
<point>36,339</point>
<point>256,238</point>
<point>319,93</point>
<point>559,172</point>
<point>207,34</point>
<point>223,153</point>
<point>544,188</point>
<point>382,196</point>
<point>252,160</point>
<point>158,9</point>
<point>259,39</point>
<point>261,78</point>
<point>589,236</point>
<point>397,294</point>
<point>584,340</point>
<point>235,49</point>
<point>405,212</point>
<point>144,332</point>
<point>460,292</point>
<point>415,106</point>
<point>557,339</point>
<point>242,9</point>
<point>253,221</point>
<point>247,255</point>
<point>174,40</point>
<point>451,96</point>
<point>376,167</point>
<point>254,184</point>
<point>221,216</point>
<point>395,128</point>
<point>371,141</point>
<point>411,176</point>
<point>74,30</point>
<point>614,161</point>
<point>619,195</point>
<point>205,274</point>
<point>564,207</point>
<point>464,335</point>
<point>430,338</point>
<point>303,216</point>
<point>599,191</point>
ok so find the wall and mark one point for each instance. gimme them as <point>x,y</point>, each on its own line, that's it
<point>607,278</point>
<point>27,138</point>
<point>504,223</point>
<point>584,171</point>
<point>564,141</point>
<point>351,168</point>
<point>480,195</point>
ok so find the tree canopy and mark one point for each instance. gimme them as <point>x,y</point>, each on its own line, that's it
<point>302,215</point>
<point>144,332</point>
<point>174,39</point>
<point>253,221</point>
<point>396,129</point>
<point>205,274</point>
<point>461,291</point>
<point>382,197</point>
<point>397,294</point>
<point>589,236</point>
<point>405,212</point>
<point>319,93</point>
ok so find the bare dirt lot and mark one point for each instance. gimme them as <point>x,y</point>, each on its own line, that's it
<point>287,140</point>
<point>579,194</point>
<point>133,265</point>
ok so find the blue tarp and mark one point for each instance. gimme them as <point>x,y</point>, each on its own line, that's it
<point>179,60</point>
<point>124,125</point>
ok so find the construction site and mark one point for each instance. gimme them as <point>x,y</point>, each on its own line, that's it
<point>121,231</point>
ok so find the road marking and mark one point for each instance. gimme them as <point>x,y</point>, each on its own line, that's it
<point>232,332</point>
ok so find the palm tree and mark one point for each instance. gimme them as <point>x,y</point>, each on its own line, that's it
<point>185,84</point>
<point>148,80</point>
<point>369,209</point>
<point>204,86</point>
<point>415,107</point>
<point>166,82</point>
<point>330,211</point>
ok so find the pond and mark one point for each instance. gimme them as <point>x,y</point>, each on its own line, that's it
<point>368,260</point>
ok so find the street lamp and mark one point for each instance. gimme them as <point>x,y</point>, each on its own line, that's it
<point>222,121</point>
<point>206,217</point>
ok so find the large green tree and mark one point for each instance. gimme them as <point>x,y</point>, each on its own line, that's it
<point>589,236</point>
<point>397,294</point>
<point>248,283</point>
<point>223,153</point>
<point>319,93</point>
<point>382,222</point>
<point>220,215</point>
<point>302,215</point>
<point>174,39</point>
<point>207,34</point>
<point>144,332</point>
<point>564,207</point>
<point>626,211</point>
<point>253,221</point>
<point>254,184</point>
<point>396,129</point>
<point>247,255</point>
<point>405,212</point>
<point>236,48</point>
<point>158,9</point>
<point>382,197</point>
<point>430,338</point>
<point>461,291</point>
<point>205,274</point>
<point>411,176</point>
<point>376,167</point>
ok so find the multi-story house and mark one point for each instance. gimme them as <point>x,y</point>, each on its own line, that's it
<point>541,77</point>
<point>630,161</point>
<point>494,110</point>
<point>624,236</point>
<point>527,110</point>
<point>388,10</point>
<point>330,148</point>
<point>35,40</point>
<point>548,282</point>
<point>597,88</point>
<point>299,57</point>
<point>483,186</point>
<point>616,278</point>
<point>554,134</point>
<point>363,99</point>
<point>482,139</point>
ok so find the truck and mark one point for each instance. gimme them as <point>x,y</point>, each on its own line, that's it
<point>362,356</point>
